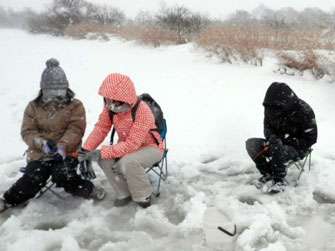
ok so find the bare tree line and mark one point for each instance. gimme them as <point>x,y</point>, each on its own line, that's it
<point>295,37</point>
<point>64,13</point>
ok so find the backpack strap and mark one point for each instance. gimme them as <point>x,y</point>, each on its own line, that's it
<point>134,110</point>
<point>111,114</point>
<point>133,115</point>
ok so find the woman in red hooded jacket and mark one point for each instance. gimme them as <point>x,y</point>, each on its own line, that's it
<point>138,146</point>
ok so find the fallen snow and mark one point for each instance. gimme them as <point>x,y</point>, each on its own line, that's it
<point>211,109</point>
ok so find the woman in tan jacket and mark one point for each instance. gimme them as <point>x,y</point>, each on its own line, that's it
<point>52,127</point>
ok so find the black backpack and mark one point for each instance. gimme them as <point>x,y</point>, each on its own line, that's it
<point>156,111</point>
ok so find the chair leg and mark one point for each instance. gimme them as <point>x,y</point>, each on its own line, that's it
<point>161,173</point>
<point>300,164</point>
<point>49,187</point>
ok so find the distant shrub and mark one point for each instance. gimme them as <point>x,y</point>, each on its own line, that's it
<point>86,30</point>
<point>231,44</point>
<point>181,20</point>
<point>60,15</point>
<point>306,60</point>
<point>63,15</point>
<point>105,14</point>
<point>150,35</point>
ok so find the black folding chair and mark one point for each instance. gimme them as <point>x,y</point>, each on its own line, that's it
<point>160,168</point>
<point>302,163</point>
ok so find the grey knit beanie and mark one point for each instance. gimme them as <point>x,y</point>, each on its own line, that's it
<point>53,77</point>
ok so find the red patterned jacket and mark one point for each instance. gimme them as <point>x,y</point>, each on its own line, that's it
<point>132,134</point>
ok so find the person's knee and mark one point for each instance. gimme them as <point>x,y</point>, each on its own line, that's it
<point>249,143</point>
<point>106,163</point>
<point>34,168</point>
<point>59,175</point>
<point>128,164</point>
<point>36,173</point>
<point>253,145</point>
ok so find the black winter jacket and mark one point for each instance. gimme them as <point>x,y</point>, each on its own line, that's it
<point>289,118</point>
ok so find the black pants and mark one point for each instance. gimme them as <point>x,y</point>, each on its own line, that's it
<point>272,161</point>
<point>37,174</point>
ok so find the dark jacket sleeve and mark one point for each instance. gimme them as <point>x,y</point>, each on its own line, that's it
<point>268,129</point>
<point>29,128</point>
<point>308,131</point>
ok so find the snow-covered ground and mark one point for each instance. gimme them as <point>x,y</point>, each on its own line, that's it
<point>211,109</point>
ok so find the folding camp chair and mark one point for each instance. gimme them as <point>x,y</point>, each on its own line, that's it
<point>300,164</point>
<point>160,168</point>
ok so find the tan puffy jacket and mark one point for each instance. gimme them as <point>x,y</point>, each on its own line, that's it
<point>63,124</point>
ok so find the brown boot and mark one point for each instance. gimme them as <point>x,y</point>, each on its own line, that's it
<point>98,193</point>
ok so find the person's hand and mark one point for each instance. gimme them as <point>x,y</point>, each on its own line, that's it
<point>45,147</point>
<point>59,154</point>
<point>274,140</point>
<point>85,165</point>
<point>86,170</point>
<point>91,156</point>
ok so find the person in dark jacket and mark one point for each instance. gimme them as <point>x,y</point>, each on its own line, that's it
<point>290,130</point>
<point>52,127</point>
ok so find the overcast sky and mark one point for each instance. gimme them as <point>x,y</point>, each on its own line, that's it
<point>214,8</point>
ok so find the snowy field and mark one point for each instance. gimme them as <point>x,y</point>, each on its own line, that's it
<point>211,109</point>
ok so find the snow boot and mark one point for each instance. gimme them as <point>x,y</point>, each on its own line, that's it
<point>278,185</point>
<point>259,183</point>
<point>145,203</point>
<point>3,205</point>
<point>122,202</point>
<point>98,193</point>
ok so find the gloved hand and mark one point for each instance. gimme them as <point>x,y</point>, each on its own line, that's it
<point>59,154</point>
<point>274,140</point>
<point>45,147</point>
<point>91,156</point>
<point>85,165</point>
<point>50,148</point>
<point>86,170</point>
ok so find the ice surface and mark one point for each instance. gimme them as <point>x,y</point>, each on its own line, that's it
<point>211,109</point>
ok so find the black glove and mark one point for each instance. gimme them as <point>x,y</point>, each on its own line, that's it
<point>85,165</point>
<point>274,140</point>
<point>86,170</point>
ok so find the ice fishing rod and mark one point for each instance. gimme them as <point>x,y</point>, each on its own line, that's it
<point>227,232</point>
<point>261,152</point>
<point>67,154</point>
